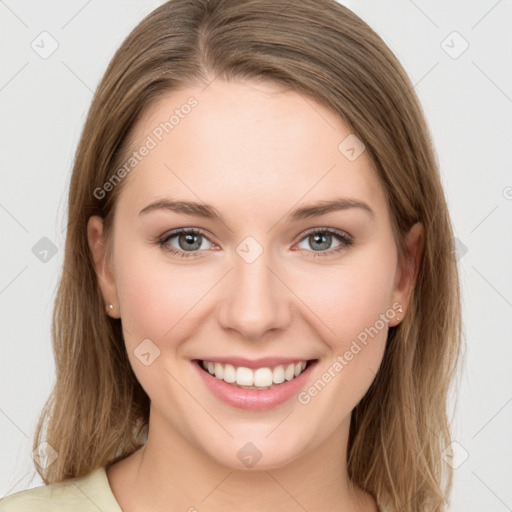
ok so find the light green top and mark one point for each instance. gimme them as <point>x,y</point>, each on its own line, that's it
<point>90,493</point>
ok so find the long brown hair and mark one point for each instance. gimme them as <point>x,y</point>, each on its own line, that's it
<point>97,410</point>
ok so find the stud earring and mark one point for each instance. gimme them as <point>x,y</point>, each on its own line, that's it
<point>110,307</point>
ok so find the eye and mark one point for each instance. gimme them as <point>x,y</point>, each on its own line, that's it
<point>321,239</point>
<point>189,242</point>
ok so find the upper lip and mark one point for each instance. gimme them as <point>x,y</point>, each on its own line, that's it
<point>263,362</point>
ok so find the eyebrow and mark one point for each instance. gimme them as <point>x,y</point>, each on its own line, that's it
<point>304,212</point>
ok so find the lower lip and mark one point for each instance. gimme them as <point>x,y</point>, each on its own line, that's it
<point>254,399</point>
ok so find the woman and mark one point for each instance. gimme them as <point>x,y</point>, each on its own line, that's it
<point>260,304</point>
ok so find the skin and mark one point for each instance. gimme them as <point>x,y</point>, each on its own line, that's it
<point>255,152</point>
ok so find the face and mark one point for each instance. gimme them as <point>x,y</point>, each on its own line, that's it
<point>260,281</point>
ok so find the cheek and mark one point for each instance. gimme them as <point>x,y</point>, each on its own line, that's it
<point>351,298</point>
<point>157,302</point>
<point>354,313</point>
<point>155,296</point>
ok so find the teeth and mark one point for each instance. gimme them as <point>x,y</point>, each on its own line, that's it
<point>229,374</point>
<point>244,376</point>
<point>289,373</point>
<point>261,378</point>
<point>278,374</point>
<point>219,370</point>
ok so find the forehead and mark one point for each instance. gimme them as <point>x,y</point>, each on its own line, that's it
<point>251,145</point>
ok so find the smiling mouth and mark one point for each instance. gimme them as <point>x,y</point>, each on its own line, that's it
<point>259,378</point>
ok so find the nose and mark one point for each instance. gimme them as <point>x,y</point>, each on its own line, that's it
<point>257,299</point>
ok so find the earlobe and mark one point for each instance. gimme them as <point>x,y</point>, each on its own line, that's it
<point>409,267</point>
<point>106,281</point>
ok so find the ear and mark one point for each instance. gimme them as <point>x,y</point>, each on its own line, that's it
<point>408,269</point>
<point>104,272</point>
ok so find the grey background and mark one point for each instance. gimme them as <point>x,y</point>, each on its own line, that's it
<point>468,104</point>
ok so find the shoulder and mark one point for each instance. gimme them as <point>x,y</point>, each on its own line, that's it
<point>89,493</point>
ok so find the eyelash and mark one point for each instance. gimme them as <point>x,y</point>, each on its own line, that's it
<point>346,241</point>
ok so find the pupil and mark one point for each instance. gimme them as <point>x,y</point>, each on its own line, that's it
<point>189,238</point>
<point>317,238</point>
<point>321,239</point>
